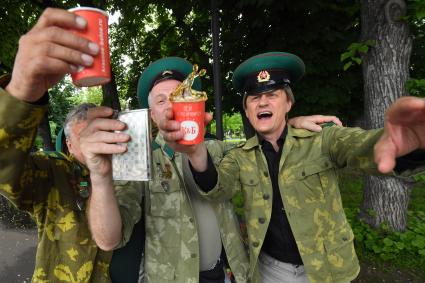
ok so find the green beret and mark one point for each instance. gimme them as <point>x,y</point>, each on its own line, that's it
<point>163,69</point>
<point>267,71</point>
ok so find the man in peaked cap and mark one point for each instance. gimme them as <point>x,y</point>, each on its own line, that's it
<point>184,242</point>
<point>185,235</point>
<point>297,230</point>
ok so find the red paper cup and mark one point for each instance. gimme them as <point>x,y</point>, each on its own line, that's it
<point>191,117</point>
<point>99,72</point>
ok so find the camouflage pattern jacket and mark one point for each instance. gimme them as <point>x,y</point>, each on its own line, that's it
<point>44,185</point>
<point>171,244</point>
<point>310,194</point>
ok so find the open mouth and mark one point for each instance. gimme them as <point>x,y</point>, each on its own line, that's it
<point>264,115</point>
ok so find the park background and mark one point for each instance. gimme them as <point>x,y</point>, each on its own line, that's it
<point>359,55</point>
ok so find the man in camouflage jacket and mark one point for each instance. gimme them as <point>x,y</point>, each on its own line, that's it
<point>297,229</point>
<point>52,187</point>
<point>184,234</point>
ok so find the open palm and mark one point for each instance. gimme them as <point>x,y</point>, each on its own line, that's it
<point>404,131</point>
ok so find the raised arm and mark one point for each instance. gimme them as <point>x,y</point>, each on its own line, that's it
<point>98,142</point>
<point>313,122</point>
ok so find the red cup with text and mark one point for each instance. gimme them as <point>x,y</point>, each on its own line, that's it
<point>191,115</point>
<point>99,72</point>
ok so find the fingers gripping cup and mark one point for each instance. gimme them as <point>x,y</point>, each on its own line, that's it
<point>189,108</point>
<point>99,72</point>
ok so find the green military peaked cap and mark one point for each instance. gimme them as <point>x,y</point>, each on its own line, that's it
<point>166,68</point>
<point>267,71</point>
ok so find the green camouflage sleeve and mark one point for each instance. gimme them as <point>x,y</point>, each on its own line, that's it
<point>354,148</point>
<point>129,196</point>
<point>228,184</point>
<point>216,149</point>
<point>351,147</point>
<point>18,127</point>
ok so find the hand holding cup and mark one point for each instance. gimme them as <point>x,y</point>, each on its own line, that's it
<point>48,52</point>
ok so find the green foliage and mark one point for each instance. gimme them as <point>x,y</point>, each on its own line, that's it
<point>400,249</point>
<point>318,31</point>
<point>232,126</point>
<point>417,10</point>
<point>16,17</point>
<point>417,59</point>
<point>389,246</point>
<point>416,87</point>
<point>38,142</point>
<point>60,103</point>
<point>87,95</point>
<point>354,51</point>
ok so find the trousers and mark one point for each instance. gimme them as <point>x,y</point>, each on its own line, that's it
<point>274,271</point>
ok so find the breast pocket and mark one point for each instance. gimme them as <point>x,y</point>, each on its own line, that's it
<point>165,198</point>
<point>249,184</point>
<point>314,178</point>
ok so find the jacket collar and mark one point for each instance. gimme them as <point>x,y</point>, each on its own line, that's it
<point>292,133</point>
<point>159,142</point>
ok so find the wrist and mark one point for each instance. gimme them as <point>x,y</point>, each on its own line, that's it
<point>19,92</point>
<point>198,158</point>
<point>101,180</point>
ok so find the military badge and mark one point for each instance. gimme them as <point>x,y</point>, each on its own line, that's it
<point>263,76</point>
<point>167,72</point>
<point>167,173</point>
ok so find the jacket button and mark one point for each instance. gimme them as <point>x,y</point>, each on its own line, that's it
<point>261,220</point>
<point>191,219</point>
<point>255,244</point>
<point>266,196</point>
<point>326,164</point>
<point>266,174</point>
<point>303,174</point>
<point>193,255</point>
<point>251,181</point>
<point>344,239</point>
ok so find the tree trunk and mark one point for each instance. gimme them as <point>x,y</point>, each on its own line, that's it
<point>45,133</point>
<point>385,71</point>
<point>110,94</point>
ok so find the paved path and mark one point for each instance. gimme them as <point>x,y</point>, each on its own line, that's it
<point>17,254</point>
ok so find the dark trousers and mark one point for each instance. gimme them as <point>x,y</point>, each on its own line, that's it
<point>215,275</point>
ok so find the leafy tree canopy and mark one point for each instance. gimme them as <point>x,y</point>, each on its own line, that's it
<point>317,31</point>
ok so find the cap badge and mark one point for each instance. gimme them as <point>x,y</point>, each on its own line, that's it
<point>263,76</point>
<point>167,72</point>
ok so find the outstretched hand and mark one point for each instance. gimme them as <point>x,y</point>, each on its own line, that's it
<point>404,132</point>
